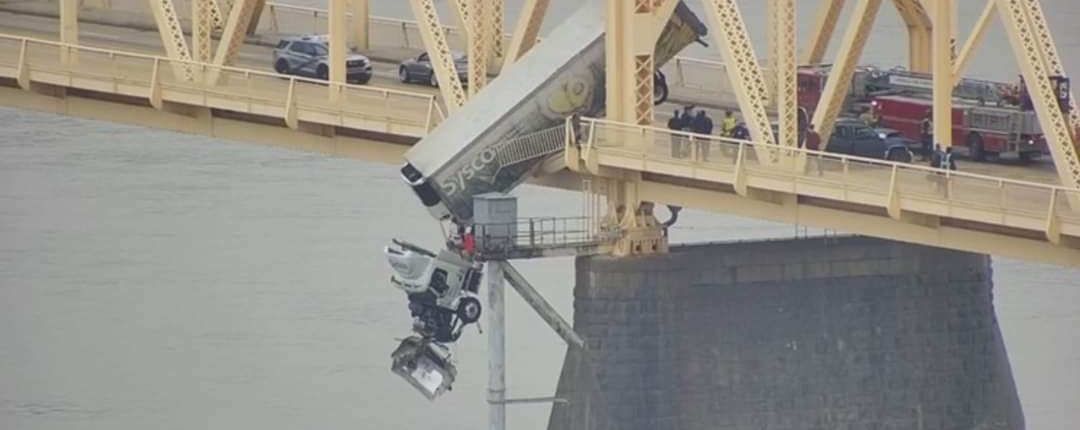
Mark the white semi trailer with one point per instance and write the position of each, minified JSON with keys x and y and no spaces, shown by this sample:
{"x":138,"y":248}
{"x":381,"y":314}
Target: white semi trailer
{"x":486,"y":146}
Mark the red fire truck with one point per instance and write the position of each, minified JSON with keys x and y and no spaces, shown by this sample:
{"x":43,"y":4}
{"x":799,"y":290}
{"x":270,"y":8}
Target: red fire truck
{"x":978,"y":131}
{"x":989,"y":118}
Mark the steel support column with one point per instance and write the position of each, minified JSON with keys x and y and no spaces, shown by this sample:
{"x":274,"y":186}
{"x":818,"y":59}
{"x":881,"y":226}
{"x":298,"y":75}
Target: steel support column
{"x":477,"y":27}
{"x":973,"y":41}
{"x":495,"y":17}
{"x":943,"y":71}
{"x":1029,"y":54}
{"x":527,"y":30}
{"x":361,"y":15}
{"x":338,"y":50}
{"x":742,"y":66}
{"x":172,"y":38}
{"x":822,"y":33}
{"x":494,"y":278}
{"x":202,"y":24}
{"x":69,"y":30}
{"x":839,"y":82}
{"x":919,"y":29}
{"x":442,"y":62}
{"x":786,"y":94}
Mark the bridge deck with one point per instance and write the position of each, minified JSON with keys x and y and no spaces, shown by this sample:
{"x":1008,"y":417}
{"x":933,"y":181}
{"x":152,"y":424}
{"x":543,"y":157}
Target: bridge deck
{"x":993,"y":213}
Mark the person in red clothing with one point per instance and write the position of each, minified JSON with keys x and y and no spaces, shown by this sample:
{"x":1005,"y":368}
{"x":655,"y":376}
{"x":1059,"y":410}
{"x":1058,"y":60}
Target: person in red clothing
{"x":468,"y":243}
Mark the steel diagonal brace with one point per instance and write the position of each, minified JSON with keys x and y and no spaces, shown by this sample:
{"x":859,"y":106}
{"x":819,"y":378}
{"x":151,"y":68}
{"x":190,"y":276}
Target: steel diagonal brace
{"x":786,"y":70}
{"x":973,"y":41}
{"x":232,"y":37}
{"x":1041,"y":29}
{"x":851,"y":47}
{"x":172,"y":38}
{"x":541,"y":306}
{"x":743,"y":67}
{"x":824,"y":26}
{"x":527,"y":30}
{"x":1029,"y":49}
{"x":442,"y":62}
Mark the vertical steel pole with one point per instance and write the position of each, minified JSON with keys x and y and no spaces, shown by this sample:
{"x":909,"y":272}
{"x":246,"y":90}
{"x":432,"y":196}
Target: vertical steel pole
{"x":361,"y":20}
{"x":69,"y":30}
{"x":495,"y":280}
{"x":337,"y":48}
{"x":943,"y":76}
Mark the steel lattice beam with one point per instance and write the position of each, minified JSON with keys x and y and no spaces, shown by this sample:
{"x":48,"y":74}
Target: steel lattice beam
{"x":822,"y":32}
{"x":839,"y":82}
{"x":479,"y":15}
{"x":527,"y":30}
{"x":1050,"y":57}
{"x":172,"y":38}
{"x":202,"y":24}
{"x":742,"y":66}
{"x":442,"y":62}
{"x":1029,"y":49}
{"x":786,"y":94}
{"x":495,"y":33}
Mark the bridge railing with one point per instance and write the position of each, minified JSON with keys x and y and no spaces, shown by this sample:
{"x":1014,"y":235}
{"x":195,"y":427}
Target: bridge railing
{"x":236,"y":89}
{"x":850,"y":179}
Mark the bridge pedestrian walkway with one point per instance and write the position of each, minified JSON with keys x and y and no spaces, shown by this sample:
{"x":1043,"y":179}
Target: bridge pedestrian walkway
{"x":136,"y":78}
{"x":905,"y":202}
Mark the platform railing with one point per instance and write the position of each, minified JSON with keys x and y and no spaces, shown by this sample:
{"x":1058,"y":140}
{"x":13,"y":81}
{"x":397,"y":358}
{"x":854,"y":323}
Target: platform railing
{"x":235,"y":89}
{"x":528,"y":235}
{"x":866,"y":181}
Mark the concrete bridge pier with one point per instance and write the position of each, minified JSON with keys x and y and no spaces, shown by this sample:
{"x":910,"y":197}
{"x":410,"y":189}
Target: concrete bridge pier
{"x":840,"y":333}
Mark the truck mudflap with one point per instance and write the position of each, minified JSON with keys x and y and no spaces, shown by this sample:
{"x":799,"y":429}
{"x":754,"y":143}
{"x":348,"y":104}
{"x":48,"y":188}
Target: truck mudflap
{"x":560,"y":77}
{"x":424,"y":364}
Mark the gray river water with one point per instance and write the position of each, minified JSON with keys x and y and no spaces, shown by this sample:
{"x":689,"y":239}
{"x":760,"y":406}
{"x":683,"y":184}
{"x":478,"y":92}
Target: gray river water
{"x":157,"y":280}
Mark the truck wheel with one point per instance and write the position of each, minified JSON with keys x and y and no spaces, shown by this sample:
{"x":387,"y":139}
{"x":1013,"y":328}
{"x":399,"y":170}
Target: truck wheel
{"x":323,"y":72}
{"x":899,"y":155}
{"x":468,"y":310}
{"x":660,"y":89}
{"x":1028,"y":156}
{"x":975,"y":147}
{"x":403,"y":75}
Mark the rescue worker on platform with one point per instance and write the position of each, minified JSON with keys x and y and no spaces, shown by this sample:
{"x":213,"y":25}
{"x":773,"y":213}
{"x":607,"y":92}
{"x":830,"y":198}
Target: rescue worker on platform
{"x":703,"y":125}
{"x":926,"y":135}
{"x":727,"y":127}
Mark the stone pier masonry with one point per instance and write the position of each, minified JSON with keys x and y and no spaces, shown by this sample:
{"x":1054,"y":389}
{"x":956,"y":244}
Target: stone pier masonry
{"x":841,"y":333}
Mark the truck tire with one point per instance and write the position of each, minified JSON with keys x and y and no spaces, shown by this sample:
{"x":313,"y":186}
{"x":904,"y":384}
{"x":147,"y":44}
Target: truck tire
{"x":468,"y":310}
{"x":403,"y":75}
{"x":1028,"y":156}
{"x":323,"y":72}
{"x":898,"y":155}
{"x":660,"y":88}
{"x":975,"y":147}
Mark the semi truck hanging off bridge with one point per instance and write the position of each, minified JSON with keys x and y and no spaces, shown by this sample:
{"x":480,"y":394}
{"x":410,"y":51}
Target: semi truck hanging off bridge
{"x":491,"y":144}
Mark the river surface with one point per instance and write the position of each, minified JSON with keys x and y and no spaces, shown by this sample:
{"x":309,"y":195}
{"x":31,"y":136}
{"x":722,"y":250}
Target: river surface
{"x":157,"y":280}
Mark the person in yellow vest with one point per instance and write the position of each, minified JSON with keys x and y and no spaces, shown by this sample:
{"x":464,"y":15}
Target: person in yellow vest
{"x":727,"y":127}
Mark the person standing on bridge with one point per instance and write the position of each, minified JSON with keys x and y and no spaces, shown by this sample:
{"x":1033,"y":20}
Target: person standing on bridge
{"x":703,"y":125}
{"x":813,"y":143}
{"x":727,"y":128}
{"x":926,"y":135}
{"x":676,"y":124}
